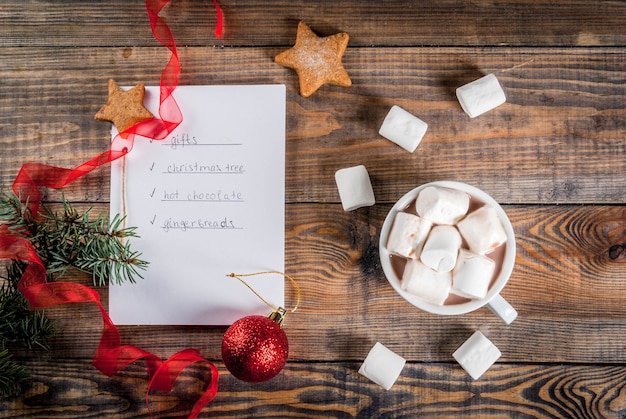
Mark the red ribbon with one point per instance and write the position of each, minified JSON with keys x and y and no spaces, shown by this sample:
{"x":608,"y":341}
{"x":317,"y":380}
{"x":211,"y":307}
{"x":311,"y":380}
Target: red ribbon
{"x":111,"y":356}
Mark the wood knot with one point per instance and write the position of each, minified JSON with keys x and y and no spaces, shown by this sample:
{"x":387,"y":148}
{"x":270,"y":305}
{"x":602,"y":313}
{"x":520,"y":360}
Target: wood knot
{"x":617,"y":251}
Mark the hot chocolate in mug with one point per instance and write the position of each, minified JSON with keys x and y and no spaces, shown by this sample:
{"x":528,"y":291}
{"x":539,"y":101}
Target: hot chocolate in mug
{"x":503,"y":256}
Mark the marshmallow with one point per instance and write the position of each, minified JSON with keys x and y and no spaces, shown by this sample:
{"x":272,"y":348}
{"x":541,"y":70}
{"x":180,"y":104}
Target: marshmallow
{"x":477,"y":355}
{"x":441,"y":248}
{"x":428,"y":284}
{"x":481,"y":95}
{"x":482,"y":230}
{"x":403,"y":128}
{"x":407,"y":235}
{"x":355,"y":188}
{"x":442,"y":205}
{"x":382,"y":366}
{"x":472,"y":275}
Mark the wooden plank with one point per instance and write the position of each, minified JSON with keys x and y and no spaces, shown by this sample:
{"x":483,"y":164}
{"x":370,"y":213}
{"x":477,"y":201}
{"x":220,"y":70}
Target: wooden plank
{"x":558,"y":137}
{"x":557,"y":143}
{"x":328,"y":390}
{"x":567,"y":269}
{"x":369,"y":23}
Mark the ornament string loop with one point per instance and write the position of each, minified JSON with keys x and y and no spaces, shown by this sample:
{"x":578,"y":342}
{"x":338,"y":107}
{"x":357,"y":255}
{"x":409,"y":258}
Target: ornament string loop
{"x":289,"y":277}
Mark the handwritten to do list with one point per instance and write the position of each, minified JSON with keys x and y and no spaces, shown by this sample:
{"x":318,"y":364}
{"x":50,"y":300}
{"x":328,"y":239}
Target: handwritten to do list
{"x":206,"y":201}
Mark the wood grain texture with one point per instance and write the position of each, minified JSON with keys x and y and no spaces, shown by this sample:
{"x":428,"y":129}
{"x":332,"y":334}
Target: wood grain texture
{"x":564,"y":271}
{"x":564,"y":115}
{"x":369,"y":23}
{"x":554,"y":155}
{"x":331,"y":390}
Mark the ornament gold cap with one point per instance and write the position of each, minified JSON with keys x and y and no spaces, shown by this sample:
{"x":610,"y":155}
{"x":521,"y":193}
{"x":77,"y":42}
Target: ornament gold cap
{"x":278,"y":315}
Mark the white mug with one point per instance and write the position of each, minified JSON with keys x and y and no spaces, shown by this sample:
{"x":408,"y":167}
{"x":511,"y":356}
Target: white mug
{"x":492,"y":300}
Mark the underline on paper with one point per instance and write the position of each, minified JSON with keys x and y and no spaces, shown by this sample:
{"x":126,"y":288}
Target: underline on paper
{"x":203,"y":200}
{"x":201,"y":228}
{"x":174,"y":145}
{"x":203,"y":173}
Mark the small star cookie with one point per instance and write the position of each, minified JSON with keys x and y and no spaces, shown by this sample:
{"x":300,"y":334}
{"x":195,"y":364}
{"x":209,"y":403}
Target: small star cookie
{"x":124,"y":107}
{"x":316,"y":60}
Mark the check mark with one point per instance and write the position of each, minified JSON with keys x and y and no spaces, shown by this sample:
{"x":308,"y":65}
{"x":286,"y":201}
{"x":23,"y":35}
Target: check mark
{"x":152,"y":166}
{"x":153,"y":219}
{"x":152,"y":193}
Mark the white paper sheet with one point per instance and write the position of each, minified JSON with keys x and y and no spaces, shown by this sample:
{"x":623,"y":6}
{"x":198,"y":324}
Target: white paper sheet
{"x":207,"y":201}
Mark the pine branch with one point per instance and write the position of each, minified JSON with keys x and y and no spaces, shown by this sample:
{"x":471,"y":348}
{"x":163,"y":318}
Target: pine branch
{"x":69,"y":239}
{"x":13,"y":377}
{"x":63,"y":241}
{"x":95,"y":246}
{"x":16,"y":216}
{"x":18,"y":324}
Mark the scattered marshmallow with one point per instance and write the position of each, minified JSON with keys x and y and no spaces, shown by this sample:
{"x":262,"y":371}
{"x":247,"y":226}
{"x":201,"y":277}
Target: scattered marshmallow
{"x":482,"y":230}
{"x":441,"y":248}
{"x":481,"y":95}
{"x":403,"y":128}
{"x":472,"y":275}
{"x":355,"y":188}
{"x":428,"y":284}
{"x":382,"y":366}
{"x":407,"y":235}
{"x":442,"y":205}
{"x":477,"y":355}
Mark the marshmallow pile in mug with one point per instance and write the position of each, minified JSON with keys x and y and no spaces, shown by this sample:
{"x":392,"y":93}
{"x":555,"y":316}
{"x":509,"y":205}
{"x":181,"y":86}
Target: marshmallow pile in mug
{"x":445,"y":245}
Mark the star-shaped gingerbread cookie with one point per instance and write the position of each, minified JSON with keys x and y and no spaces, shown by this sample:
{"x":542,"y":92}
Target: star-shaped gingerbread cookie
{"x":316,"y":60}
{"x":124,"y":107}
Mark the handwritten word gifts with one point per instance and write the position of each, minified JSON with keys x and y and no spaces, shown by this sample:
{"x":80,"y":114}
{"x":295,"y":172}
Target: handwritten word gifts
{"x":207,"y":201}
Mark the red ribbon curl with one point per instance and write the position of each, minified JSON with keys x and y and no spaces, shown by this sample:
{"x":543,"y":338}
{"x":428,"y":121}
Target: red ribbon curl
{"x":111,"y":356}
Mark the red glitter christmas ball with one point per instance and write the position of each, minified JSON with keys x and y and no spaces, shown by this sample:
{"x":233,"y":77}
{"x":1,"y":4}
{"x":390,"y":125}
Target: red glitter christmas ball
{"x":255,"y":348}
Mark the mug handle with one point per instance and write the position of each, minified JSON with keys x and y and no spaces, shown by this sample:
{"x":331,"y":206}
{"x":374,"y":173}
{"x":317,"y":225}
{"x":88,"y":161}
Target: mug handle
{"x":502,"y":309}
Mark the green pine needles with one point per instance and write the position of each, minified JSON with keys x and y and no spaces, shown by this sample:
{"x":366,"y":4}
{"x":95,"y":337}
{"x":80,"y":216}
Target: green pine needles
{"x":13,"y":376}
{"x":70,"y":239}
{"x":19,"y":326}
{"x":64,"y":240}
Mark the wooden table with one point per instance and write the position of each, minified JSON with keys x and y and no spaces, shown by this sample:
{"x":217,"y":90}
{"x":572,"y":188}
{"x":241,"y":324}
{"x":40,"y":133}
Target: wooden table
{"x":554,"y":156}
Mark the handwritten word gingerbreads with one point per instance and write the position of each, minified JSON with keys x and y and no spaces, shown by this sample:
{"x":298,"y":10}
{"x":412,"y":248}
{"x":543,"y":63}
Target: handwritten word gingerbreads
{"x":316,"y":60}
